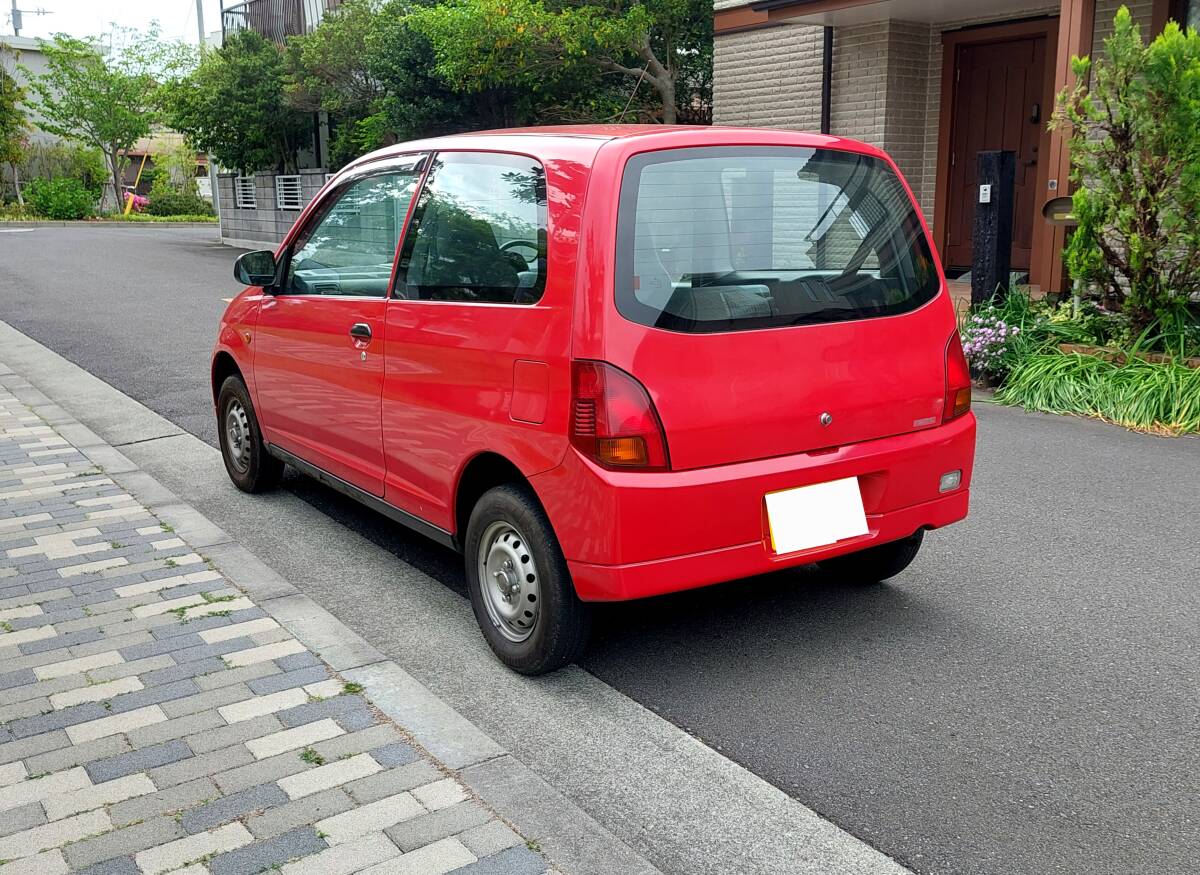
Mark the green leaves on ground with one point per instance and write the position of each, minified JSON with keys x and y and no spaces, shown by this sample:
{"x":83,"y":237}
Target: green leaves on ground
{"x":1137,"y":394}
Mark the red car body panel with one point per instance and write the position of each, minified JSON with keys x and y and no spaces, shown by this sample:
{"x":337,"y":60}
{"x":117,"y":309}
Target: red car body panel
{"x":319,"y":389}
{"x":444,"y":382}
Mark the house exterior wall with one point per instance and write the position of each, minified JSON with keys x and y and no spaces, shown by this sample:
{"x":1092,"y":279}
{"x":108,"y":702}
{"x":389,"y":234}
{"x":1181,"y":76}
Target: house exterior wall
{"x":768,"y":78}
{"x":886,"y":87}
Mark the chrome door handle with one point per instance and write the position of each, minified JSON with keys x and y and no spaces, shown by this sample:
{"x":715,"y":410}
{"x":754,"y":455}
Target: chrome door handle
{"x":360,"y":330}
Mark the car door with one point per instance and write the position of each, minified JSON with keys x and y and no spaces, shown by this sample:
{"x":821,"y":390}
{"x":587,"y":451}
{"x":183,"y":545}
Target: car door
{"x":319,"y":351}
{"x":476,"y":335}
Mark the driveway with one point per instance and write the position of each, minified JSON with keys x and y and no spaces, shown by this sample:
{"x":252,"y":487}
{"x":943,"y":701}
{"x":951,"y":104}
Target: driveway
{"x":1022,"y":700}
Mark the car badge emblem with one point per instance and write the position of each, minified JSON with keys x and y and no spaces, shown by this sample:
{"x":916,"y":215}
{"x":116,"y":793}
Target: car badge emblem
{"x":826,"y":419}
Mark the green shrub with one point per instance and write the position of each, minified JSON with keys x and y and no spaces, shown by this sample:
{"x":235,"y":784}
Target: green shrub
{"x":1134,"y":125}
{"x":66,"y":159}
{"x":168,"y":199}
{"x":1137,"y":394}
{"x":63,"y":198}
{"x":176,"y":203}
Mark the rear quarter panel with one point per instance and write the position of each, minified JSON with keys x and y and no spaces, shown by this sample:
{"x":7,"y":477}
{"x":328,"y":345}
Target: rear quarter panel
{"x":465,"y":379}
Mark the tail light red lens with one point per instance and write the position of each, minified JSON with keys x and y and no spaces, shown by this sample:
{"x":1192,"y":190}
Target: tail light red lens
{"x":613,"y":420}
{"x":958,"y":380}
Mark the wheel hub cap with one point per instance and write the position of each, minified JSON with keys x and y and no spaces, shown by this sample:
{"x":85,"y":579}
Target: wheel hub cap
{"x":509,"y":580}
{"x":237,"y":435}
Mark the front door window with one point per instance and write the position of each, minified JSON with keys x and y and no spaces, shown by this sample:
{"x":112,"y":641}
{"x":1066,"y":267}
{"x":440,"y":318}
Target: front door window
{"x":349,"y":250}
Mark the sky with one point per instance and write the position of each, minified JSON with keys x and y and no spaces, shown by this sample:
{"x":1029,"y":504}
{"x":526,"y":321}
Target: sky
{"x":80,"y":18}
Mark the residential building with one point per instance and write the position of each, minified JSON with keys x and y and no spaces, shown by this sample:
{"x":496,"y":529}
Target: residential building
{"x":18,"y":54}
{"x":933,"y":82}
{"x":259,"y":209}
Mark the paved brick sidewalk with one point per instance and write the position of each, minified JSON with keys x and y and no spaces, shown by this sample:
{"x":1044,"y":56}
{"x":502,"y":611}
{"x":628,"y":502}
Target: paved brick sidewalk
{"x":153,"y":719}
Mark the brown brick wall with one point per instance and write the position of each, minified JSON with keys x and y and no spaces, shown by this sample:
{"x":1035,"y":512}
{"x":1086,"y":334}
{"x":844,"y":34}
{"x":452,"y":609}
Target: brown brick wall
{"x":886,"y":81}
{"x":768,"y":78}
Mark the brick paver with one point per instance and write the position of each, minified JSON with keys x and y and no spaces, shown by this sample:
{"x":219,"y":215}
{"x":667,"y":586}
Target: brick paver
{"x":153,"y":719}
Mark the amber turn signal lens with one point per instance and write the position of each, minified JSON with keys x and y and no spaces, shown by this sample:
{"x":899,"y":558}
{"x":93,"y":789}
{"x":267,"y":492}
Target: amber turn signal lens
{"x":622,"y":450}
{"x":962,"y":401}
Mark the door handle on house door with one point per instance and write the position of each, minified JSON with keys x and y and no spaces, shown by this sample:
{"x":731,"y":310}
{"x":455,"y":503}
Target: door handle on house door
{"x":360,"y":331}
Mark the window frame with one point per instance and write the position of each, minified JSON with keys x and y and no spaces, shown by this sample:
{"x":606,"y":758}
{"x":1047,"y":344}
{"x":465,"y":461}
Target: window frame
{"x":403,"y":249}
{"x":325,"y":202}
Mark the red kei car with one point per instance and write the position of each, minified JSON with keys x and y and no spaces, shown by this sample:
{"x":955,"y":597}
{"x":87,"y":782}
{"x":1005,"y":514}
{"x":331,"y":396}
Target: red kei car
{"x":609,"y":362}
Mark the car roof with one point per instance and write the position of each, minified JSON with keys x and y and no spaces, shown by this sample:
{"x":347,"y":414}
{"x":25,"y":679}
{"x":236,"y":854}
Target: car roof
{"x":582,"y":142}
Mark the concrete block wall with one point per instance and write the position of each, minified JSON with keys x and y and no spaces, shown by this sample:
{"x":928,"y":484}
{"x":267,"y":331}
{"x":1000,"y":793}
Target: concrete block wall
{"x":265,"y":224}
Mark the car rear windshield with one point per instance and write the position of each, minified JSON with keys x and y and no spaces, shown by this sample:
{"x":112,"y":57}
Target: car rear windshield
{"x":738,"y":238}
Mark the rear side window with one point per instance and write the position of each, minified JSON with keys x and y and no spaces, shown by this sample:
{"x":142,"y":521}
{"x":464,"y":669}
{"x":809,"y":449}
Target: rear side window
{"x":478,"y":233}
{"x":738,"y":238}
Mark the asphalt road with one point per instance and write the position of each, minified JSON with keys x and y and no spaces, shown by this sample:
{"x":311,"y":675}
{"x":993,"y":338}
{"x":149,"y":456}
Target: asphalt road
{"x":1025,"y":699}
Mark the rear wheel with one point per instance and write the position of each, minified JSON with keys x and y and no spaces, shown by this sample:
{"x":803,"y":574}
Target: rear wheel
{"x":250,"y":466}
{"x":875,"y":564}
{"x":521,"y":591}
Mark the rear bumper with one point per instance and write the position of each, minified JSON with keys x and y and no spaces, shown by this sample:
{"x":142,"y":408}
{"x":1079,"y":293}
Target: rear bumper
{"x":632,"y":535}
{"x":660,"y":576}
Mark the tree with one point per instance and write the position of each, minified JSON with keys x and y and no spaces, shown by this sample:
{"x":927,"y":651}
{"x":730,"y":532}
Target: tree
{"x":13,"y":126}
{"x":662,"y":45}
{"x":1135,"y":155}
{"x":106,"y":102}
{"x":233,"y":106}
{"x":376,"y":77}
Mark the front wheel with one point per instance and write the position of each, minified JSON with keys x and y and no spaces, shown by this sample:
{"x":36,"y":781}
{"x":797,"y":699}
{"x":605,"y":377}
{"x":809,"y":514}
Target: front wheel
{"x":520,"y":587}
{"x":875,"y":564}
{"x":250,"y":466}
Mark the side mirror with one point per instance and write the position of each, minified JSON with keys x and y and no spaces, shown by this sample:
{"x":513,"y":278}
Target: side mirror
{"x":255,"y":268}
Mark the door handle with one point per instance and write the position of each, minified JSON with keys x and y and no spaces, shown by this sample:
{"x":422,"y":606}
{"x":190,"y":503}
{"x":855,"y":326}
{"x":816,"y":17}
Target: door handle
{"x":360,"y":330}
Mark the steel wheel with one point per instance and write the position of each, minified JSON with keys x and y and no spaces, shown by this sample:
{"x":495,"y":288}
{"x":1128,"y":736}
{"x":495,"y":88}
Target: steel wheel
{"x":237,"y":435}
{"x":508,"y":578}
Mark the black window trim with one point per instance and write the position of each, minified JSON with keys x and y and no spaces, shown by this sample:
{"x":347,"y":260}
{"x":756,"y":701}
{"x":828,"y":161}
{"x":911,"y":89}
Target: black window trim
{"x":404,"y":249}
{"x":330,"y":196}
{"x":633,"y":311}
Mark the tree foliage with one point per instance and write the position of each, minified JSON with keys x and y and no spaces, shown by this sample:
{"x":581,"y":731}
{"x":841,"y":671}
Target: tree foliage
{"x":105,"y":101}
{"x":233,"y":106}
{"x":13,"y":124}
{"x":1135,"y":152}
{"x":664,"y":46}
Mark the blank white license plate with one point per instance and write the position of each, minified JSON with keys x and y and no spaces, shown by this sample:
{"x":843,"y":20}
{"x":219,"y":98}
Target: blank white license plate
{"x":813,"y":516}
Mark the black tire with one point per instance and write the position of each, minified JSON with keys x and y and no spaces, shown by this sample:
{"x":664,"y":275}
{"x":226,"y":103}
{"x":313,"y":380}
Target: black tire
{"x":875,"y":564}
{"x":249,"y":465}
{"x":558,"y":630}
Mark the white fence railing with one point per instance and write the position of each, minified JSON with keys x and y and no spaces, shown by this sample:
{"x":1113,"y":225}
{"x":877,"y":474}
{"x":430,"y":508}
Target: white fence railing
{"x":289,"y":194}
{"x":244,"y":195}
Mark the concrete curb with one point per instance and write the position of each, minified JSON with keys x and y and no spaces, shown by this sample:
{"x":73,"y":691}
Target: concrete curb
{"x":661,"y":792}
{"x":238,"y":243}
{"x":568,"y":836}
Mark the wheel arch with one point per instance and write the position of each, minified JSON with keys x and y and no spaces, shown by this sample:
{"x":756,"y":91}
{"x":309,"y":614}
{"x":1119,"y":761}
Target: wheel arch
{"x":224,"y":366}
{"x":481,"y":473}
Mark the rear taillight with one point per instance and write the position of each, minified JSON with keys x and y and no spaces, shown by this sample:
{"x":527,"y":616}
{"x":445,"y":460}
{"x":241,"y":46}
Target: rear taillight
{"x":613,"y":421}
{"x":958,"y":380}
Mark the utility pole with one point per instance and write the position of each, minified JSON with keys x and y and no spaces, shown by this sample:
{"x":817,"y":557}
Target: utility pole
{"x":16,"y":16}
{"x":212,"y":170}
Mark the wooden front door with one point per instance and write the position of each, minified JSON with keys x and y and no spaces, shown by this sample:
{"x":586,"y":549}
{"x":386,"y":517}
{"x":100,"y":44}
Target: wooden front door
{"x":1000,"y":102}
